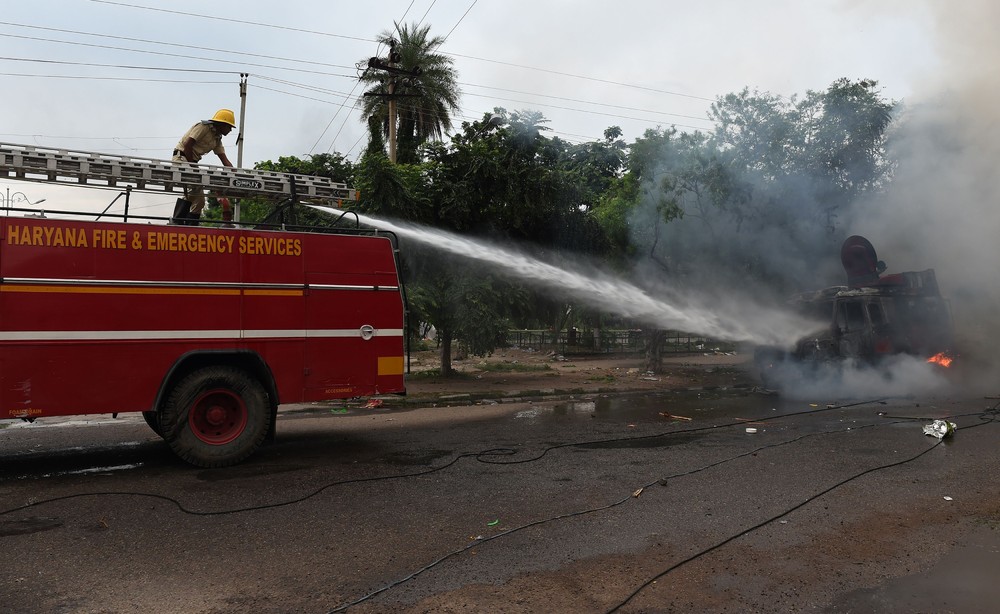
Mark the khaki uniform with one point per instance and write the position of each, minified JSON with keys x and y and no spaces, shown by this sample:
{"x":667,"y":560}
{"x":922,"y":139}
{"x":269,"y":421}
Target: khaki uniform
{"x":206,"y":139}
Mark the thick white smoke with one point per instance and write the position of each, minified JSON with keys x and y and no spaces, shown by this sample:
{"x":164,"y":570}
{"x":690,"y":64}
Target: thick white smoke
{"x":942,"y":210}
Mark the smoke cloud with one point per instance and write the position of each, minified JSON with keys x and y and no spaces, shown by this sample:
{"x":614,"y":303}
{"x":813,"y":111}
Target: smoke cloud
{"x":942,"y":210}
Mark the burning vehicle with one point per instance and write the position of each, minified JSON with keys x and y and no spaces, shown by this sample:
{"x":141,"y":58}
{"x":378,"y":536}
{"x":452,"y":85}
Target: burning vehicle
{"x":874,"y":316}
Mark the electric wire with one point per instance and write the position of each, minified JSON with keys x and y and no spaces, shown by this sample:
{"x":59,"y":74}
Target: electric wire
{"x":614,"y":115}
{"x":96,"y":78}
{"x":460,"y":20}
{"x":602,"y":104}
{"x":663,"y":481}
{"x":485,"y":455}
{"x":367,"y":40}
{"x":768,"y":521}
{"x":986,"y":417}
{"x":332,"y":119}
{"x":126,"y":66}
{"x":257,"y":65}
{"x":183,"y":56}
{"x":575,"y":76}
{"x":492,"y":451}
{"x":333,"y":142}
{"x":405,"y":13}
{"x":433,"y":2}
{"x":573,"y":514}
{"x":233,"y":20}
{"x":168,"y":44}
{"x":296,"y":60}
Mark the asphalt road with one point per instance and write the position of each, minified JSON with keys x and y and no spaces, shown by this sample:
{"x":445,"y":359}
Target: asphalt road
{"x":588,"y":505}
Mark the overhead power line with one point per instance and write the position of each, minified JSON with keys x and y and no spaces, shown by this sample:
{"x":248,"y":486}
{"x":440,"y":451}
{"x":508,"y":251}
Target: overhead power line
{"x":602,"y":113}
{"x":126,"y":66}
{"x":167,"y":44}
{"x":433,"y":2}
{"x":232,"y":20}
{"x":95,"y":78}
{"x":602,"y":104}
{"x":567,"y":74}
{"x":460,"y":19}
{"x":368,"y":40}
{"x":176,"y":55}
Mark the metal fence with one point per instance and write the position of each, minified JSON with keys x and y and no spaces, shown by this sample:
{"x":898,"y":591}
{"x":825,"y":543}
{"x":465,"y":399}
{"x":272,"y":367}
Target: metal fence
{"x":610,"y":341}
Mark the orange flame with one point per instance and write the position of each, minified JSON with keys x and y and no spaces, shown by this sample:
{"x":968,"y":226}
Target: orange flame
{"x":941,"y":358}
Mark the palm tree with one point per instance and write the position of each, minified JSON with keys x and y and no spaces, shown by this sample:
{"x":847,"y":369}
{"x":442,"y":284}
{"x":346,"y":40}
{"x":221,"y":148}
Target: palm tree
{"x":428,"y":101}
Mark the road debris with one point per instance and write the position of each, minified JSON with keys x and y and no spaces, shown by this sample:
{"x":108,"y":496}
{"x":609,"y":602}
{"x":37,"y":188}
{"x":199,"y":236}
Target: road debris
{"x":674,"y":416}
{"x":751,"y":429}
{"x":493,"y":523}
{"x":940,"y":429}
{"x":637,"y":493}
{"x":372,"y":403}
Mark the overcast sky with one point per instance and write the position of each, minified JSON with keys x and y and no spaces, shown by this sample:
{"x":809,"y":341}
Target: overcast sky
{"x":585,"y":64}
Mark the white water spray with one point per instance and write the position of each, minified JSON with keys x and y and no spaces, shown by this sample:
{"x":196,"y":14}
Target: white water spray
{"x":734,"y":318}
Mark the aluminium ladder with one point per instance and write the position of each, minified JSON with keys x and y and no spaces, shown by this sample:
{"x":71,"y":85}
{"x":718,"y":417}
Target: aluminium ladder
{"x":74,"y":167}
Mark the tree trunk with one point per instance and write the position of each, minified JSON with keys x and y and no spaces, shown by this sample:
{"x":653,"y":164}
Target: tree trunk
{"x":654,"y":362}
{"x":444,"y":338}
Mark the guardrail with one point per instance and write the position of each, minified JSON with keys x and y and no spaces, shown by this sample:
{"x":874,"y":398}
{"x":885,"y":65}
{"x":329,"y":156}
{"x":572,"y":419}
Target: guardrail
{"x":611,"y":341}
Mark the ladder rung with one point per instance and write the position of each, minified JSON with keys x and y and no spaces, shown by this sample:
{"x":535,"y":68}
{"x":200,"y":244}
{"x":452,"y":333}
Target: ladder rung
{"x":33,"y":163}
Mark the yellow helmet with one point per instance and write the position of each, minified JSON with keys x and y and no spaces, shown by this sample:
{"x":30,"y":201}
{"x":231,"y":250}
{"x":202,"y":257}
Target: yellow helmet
{"x":225,"y":116}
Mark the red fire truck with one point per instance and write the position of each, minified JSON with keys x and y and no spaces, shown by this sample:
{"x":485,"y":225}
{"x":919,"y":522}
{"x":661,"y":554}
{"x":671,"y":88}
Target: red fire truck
{"x":204,"y":330}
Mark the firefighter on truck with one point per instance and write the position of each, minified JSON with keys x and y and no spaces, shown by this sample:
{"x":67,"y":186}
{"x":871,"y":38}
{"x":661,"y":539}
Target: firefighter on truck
{"x":201,"y":138}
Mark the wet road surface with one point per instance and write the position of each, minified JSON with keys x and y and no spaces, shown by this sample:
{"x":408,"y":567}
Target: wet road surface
{"x":699,"y":501}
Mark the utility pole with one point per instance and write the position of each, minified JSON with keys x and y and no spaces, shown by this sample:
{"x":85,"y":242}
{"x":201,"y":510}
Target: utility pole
{"x":239,"y":137}
{"x":392,"y":111}
{"x":243,"y":114}
{"x":393,"y":72}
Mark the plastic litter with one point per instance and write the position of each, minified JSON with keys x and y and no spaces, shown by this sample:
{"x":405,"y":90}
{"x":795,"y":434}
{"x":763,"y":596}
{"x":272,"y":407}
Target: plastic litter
{"x":940,"y":429}
{"x":338,"y":410}
{"x":493,"y":523}
{"x":947,"y":498}
{"x":751,"y":429}
{"x":674,"y":416}
{"x":373,"y":403}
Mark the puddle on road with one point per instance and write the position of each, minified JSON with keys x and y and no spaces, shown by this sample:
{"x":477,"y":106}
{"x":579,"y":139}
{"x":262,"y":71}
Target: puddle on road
{"x":677,"y":407}
{"x":26,"y":526}
{"x":652,"y":407}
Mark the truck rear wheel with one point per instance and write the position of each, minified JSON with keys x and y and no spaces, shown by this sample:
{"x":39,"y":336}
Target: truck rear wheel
{"x":216,"y":416}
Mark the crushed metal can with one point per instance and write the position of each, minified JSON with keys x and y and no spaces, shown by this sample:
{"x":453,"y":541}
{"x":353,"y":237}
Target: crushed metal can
{"x":940,"y":429}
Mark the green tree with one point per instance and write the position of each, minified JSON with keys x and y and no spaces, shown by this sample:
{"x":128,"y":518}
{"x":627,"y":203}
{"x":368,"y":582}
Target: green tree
{"x":503,"y":180}
{"x":465,"y":306}
{"x":424,"y":104}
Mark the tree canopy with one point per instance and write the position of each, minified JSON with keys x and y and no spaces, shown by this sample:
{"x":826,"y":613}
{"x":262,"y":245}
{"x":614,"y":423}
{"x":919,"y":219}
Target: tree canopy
{"x":425,"y":103}
{"x":760,"y":199}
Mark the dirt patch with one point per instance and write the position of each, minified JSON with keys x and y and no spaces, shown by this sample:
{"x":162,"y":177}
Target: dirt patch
{"x":515,"y":371}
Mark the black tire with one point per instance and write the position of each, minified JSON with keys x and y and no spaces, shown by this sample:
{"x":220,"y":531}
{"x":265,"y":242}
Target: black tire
{"x":153,"y":420}
{"x":216,"y":416}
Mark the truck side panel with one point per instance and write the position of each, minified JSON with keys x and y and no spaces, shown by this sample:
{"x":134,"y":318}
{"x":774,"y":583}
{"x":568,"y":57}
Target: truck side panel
{"x":93,"y":315}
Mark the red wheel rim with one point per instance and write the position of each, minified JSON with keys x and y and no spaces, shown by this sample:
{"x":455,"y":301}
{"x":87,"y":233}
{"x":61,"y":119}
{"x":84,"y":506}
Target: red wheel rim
{"x":217,"y":417}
